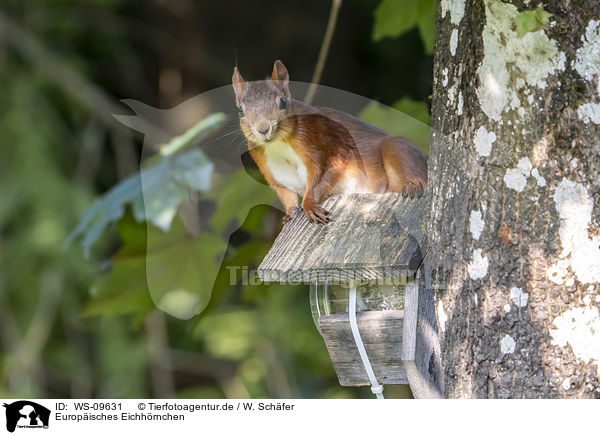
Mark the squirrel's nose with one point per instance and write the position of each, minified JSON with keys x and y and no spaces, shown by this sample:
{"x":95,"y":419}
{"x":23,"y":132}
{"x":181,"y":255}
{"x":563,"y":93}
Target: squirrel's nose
{"x":263,"y":127}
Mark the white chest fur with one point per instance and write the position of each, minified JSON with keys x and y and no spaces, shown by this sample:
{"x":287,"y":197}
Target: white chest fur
{"x":286,"y":166}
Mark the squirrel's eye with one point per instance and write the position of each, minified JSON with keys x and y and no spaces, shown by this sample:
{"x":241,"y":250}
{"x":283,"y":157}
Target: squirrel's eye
{"x":282,"y":104}
{"x":240,"y":111}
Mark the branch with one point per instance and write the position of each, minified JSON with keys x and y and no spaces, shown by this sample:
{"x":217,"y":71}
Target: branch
{"x":316,"y":78}
{"x":161,"y":369}
{"x":23,"y":363}
{"x":9,"y":333}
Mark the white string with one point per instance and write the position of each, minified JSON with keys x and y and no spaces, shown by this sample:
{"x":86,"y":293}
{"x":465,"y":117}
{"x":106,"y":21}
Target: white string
{"x":376,"y":388}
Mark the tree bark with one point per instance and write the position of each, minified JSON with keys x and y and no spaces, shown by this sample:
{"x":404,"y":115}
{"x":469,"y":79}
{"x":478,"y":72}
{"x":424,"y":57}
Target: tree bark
{"x":513,"y":206}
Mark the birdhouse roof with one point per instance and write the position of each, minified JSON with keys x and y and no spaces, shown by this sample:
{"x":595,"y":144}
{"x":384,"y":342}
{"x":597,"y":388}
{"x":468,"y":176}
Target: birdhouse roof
{"x":371,"y":236}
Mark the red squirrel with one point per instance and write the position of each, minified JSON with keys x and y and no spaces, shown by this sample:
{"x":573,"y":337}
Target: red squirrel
{"x":317,"y":151}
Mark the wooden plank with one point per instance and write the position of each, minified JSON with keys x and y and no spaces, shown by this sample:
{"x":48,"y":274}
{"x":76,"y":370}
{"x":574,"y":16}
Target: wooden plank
{"x":409,"y":333}
{"x":421,"y":353}
{"x":381,"y":332}
{"x":371,"y":236}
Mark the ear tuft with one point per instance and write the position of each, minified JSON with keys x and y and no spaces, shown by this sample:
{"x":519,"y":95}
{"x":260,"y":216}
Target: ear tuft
{"x":237,"y":79}
{"x":281,"y":77}
{"x":239,"y":84}
{"x":280,"y":72}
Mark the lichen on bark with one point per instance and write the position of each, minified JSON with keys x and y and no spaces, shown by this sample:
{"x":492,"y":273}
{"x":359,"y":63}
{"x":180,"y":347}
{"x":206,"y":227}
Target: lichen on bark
{"x":505,"y":157}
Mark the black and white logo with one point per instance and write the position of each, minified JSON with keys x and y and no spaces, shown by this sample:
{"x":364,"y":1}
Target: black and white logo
{"x":25,"y":414}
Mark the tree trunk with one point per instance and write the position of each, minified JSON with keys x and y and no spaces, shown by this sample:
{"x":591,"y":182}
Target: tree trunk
{"x":513,"y":219}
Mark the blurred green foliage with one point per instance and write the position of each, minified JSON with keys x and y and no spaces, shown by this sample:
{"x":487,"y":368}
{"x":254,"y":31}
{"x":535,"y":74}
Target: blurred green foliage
{"x":156,"y":190}
{"x":395,"y":17}
{"x":406,"y":117}
{"x":72,"y":327}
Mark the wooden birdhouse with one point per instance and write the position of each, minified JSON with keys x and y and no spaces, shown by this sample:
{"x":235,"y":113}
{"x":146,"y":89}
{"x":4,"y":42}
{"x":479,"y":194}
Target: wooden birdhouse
{"x":369,"y":289}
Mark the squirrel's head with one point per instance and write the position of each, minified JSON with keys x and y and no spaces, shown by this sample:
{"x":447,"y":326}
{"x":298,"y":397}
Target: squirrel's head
{"x":264,"y":104}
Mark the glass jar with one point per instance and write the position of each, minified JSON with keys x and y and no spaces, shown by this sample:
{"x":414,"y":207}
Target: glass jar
{"x":375,"y":295}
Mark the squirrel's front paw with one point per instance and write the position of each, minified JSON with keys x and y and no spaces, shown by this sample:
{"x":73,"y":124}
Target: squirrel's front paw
{"x":288,"y":214}
{"x":316,"y":214}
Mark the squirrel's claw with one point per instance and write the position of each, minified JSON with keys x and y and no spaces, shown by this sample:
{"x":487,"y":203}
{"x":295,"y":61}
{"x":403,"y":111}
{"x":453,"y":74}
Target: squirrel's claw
{"x":413,"y":189}
{"x":317,"y":214}
{"x":289,"y":214}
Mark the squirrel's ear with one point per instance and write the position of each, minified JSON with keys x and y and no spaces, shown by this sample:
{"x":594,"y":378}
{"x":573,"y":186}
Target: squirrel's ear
{"x":281,"y":77}
{"x":239,"y":85}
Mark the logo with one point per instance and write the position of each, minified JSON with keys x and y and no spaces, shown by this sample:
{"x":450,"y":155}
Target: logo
{"x":26,"y":414}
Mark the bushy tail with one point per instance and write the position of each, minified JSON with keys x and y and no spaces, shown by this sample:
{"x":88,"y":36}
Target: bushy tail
{"x":405,"y":166}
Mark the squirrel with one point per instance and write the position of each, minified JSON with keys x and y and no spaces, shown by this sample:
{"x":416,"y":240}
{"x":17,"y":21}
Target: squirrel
{"x":317,"y":151}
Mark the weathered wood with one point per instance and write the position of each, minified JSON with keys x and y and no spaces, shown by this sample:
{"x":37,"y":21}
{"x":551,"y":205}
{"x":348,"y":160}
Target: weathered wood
{"x":371,"y":236}
{"x":402,"y":345}
{"x":421,"y":350}
{"x":381,"y":332}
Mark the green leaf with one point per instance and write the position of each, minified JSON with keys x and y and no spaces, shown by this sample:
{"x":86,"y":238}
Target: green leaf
{"x":193,"y":169}
{"x":124,"y":289}
{"x":426,"y":23}
{"x":202,"y":129}
{"x":531,"y":21}
{"x":416,"y":109}
{"x":394,"y":17}
{"x":406,"y":118}
{"x":173,"y":271}
{"x":235,"y":196}
{"x":181,"y":277}
{"x":155,"y":191}
{"x":159,"y":205}
{"x":168,"y":183}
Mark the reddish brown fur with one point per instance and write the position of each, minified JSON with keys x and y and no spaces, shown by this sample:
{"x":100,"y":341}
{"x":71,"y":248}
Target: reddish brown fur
{"x":335,"y":145}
